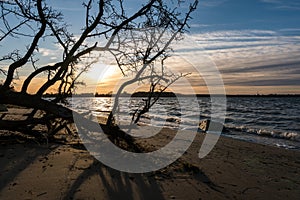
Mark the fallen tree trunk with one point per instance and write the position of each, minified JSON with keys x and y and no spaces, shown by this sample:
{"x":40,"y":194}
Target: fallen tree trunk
{"x":36,"y":102}
{"x":55,"y":112}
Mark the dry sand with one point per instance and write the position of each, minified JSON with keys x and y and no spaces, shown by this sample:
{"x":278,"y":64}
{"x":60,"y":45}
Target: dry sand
{"x":232,"y":170}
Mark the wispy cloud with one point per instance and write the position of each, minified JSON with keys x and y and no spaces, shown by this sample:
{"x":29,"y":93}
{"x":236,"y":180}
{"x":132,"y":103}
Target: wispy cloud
{"x":211,"y":3}
{"x":252,"y":57}
{"x":283,"y":4}
{"x":49,"y":53}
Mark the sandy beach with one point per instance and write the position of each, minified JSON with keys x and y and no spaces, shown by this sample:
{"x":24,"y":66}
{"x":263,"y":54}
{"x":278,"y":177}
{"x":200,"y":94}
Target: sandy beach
{"x":233,"y":170}
{"x":201,"y":67}
{"x":126,"y":100}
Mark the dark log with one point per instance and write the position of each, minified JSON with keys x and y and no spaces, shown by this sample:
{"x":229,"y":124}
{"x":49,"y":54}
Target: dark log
{"x":34,"y":101}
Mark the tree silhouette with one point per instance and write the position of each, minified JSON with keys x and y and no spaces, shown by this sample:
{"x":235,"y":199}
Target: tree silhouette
{"x":135,"y":39}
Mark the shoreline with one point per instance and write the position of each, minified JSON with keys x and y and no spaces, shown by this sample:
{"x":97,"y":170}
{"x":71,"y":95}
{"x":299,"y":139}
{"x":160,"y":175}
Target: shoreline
{"x":270,"y":117}
{"x":233,"y":169}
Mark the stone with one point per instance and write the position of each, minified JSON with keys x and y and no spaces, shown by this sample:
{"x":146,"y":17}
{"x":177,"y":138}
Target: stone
{"x":208,"y":125}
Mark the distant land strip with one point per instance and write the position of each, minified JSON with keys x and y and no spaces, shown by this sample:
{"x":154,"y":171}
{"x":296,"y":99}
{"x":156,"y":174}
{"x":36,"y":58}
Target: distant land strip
{"x":171,"y":94}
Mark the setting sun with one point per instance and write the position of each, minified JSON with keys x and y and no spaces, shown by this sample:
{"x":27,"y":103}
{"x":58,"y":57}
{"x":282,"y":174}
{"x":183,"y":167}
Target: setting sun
{"x":102,"y":72}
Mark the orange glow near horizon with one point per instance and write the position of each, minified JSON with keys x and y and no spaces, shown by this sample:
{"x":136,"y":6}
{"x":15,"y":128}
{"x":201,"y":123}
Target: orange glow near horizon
{"x":107,"y":85}
{"x":104,"y":78}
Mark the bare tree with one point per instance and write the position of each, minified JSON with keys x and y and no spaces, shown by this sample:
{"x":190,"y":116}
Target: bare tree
{"x":135,"y":39}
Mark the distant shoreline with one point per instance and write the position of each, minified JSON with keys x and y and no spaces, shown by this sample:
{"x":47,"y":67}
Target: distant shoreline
{"x":183,"y":95}
{"x":171,"y":94}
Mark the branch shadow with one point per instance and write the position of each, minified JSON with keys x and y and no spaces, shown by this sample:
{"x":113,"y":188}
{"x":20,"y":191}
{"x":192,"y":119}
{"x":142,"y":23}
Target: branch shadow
{"x":16,"y":157}
{"x":112,"y":184}
{"x":121,"y":185}
{"x":118,"y":185}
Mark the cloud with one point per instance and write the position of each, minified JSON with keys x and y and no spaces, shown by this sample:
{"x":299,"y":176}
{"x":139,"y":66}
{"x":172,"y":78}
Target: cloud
{"x":211,"y":3}
{"x":250,"y":57}
{"x":283,"y":4}
{"x":48,"y":52}
{"x":199,"y":25}
{"x":249,"y":60}
{"x":269,"y":82}
{"x":284,"y":68}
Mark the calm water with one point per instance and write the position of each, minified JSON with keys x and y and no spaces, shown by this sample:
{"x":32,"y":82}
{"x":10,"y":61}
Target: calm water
{"x":267,"y":120}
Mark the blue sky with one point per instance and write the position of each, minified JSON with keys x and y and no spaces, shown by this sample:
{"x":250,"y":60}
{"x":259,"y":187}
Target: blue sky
{"x":254,"y":43}
{"x":248,"y":14}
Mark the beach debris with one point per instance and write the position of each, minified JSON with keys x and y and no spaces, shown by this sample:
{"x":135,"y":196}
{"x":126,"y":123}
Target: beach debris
{"x":41,"y":194}
{"x":208,"y":125}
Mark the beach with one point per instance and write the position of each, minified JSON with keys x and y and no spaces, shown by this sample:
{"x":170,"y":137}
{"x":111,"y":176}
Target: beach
{"x":149,"y":100}
{"x":234,"y":169}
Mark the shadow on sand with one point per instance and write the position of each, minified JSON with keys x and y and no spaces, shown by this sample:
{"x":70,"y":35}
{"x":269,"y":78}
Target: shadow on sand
{"x":37,"y":169}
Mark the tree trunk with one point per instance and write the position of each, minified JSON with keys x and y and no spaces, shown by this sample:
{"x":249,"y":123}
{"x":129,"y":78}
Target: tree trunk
{"x":34,"y":101}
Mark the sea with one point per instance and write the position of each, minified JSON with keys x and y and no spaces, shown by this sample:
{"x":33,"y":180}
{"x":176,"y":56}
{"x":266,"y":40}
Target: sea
{"x":265,"y":120}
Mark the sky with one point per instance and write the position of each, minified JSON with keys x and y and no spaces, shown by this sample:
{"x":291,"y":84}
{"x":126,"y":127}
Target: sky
{"x":255,"y":45}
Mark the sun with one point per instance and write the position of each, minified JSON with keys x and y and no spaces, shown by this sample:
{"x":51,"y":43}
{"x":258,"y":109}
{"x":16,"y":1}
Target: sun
{"x":101,"y":72}
{"x":110,"y":71}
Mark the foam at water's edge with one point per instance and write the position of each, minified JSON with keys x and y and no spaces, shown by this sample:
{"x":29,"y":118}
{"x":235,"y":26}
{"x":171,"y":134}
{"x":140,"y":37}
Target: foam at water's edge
{"x":267,"y":133}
